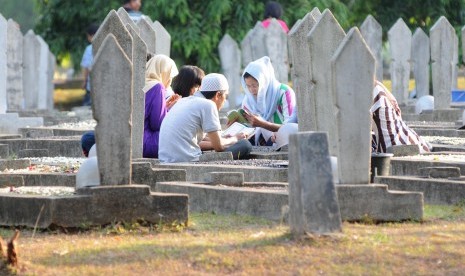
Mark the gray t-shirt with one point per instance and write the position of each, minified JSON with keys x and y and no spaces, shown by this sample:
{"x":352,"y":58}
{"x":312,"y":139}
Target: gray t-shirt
{"x":184,"y":127}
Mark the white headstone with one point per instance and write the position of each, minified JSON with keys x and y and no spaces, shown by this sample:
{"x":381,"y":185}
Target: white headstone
{"x":463,"y":44}
{"x":230,"y":57}
{"x":420,"y":62}
{"x":443,"y":40}
{"x":50,"y":85}
{"x":372,"y":32}
{"x":246,"y":47}
{"x":400,"y":43}
{"x":3,"y":64}
{"x":43,"y":79}
{"x":148,"y":35}
{"x":313,"y":203}
{"x":111,"y":79}
{"x":258,"y":42}
{"x":301,"y":70}
{"x":276,"y":44}
{"x":139,"y":57}
{"x":14,"y":87}
{"x":163,"y":39}
{"x":323,"y":40}
{"x":31,"y":61}
{"x":353,"y":90}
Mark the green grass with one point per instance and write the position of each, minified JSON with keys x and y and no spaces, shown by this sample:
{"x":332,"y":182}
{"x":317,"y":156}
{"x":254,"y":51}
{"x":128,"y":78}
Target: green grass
{"x":231,"y":244}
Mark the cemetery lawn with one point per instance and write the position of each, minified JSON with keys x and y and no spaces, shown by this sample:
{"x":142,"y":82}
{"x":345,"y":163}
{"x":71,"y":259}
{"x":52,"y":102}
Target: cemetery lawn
{"x":218,"y":244}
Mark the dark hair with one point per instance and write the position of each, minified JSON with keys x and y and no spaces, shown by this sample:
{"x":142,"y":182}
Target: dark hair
{"x":247,"y":75}
{"x":188,"y":77}
{"x":92,"y":29}
{"x":273,"y":9}
{"x":87,"y":141}
{"x":126,"y":2}
{"x":210,"y":94}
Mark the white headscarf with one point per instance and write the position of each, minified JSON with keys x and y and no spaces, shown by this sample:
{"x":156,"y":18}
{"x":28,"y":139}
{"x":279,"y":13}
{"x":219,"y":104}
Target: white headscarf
{"x":159,"y":69}
{"x":266,"y":102}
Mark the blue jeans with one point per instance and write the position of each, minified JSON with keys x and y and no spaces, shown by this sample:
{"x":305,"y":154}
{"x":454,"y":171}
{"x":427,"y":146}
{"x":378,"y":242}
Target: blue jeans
{"x":240,"y":150}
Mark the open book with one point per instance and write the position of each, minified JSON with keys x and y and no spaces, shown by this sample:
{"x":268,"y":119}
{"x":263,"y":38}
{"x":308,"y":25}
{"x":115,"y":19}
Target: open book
{"x":236,"y":128}
{"x":238,"y":116}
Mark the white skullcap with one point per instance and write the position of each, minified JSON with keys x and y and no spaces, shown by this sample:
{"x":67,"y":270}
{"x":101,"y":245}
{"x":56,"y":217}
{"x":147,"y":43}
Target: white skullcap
{"x":214,"y":82}
{"x":424,"y":103}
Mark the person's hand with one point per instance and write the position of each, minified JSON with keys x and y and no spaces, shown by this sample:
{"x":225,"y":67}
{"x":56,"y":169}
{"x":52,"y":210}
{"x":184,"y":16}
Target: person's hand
{"x":254,"y":120}
{"x":273,"y":137}
{"x":241,"y":136}
{"x":172,"y":100}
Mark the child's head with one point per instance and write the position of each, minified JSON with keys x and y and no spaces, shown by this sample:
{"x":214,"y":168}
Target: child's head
{"x":273,"y":9}
{"x":133,"y":4}
{"x":91,"y":31}
{"x":188,"y":80}
{"x":87,"y":141}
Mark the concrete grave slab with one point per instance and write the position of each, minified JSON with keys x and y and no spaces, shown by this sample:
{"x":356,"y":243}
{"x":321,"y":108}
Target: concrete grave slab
{"x":33,"y":153}
{"x":10,"y":123}
{"x":404,"y":150}
{"x":215,"y":156}
{"x":227,"y":178}
{"x":435,"y":191}
{"x":94,"y":206}
{"x":357,"y":202}
{"x":440,"y":172}
{"x":4,"y":151}
{"x":14,"y":164}
{"x":11,"y":181}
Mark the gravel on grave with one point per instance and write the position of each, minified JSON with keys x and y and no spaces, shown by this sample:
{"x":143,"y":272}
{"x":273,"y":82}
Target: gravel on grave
{"x":442,"y":140}
{"x":82,"y":125}
{"x":41,"y":191}
{"x":435,"y":157}
{"x":50,"y":165}
{"x":431,"y":124}
{"x":261,"y":187}
{"x":251,"y":162}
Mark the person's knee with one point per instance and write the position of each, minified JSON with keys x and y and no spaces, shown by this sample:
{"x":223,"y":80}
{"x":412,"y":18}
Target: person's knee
{"x":244,"y":148}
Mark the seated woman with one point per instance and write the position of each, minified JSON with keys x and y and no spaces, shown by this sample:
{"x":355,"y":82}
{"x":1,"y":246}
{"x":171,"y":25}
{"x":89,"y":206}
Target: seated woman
{"x":159,"y":73}
{"x":388,"y":127}
{"x":188,"y":81}
{"x":269,"y":103}
{"x":274,"y":10}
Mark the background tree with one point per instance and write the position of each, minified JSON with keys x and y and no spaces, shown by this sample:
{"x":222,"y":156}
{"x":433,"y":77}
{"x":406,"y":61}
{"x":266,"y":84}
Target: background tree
{"x":22,"y":11}
{"x":197,"y":26}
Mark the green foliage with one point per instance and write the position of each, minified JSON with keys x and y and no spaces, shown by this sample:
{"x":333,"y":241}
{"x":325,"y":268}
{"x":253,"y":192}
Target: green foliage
{"x":196,"y":26}
{"x":21,"y":11}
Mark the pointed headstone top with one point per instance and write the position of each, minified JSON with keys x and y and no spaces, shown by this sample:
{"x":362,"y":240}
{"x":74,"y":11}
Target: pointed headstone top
{"x":328,"y":24}
{"x":114,"y":25}
{"x":304,"y":25}
{"x":420,"y":35}
{"x":2,"y":19}
{"x":124,"y":16}
{"x":443,"y":24}
{"x":370,"y":25}
{"x":148,"y":35}
{"x":400,"y":28}
{"x":163,"y":39}
{"x":316,"y":13}
{"x":227,"y":39}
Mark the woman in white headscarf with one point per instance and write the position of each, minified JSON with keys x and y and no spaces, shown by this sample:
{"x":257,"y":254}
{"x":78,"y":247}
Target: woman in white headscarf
{"x":159,"y":73}
{"x":268,"y":102}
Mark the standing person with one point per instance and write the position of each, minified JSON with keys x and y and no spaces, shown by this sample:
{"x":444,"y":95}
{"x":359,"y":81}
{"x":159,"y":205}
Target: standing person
{"x":132,"y":7}
{"x":86,"y":63}
{"x":159,"y":73}
{"x":274,"y":10}
{"x":188,"y":81}
{"x":269,"y":102}
{"x":193,"y":125}
{"x":389,"y":128}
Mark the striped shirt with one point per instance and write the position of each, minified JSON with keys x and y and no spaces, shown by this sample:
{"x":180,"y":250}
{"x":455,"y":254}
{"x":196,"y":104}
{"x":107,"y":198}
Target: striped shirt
{"x":388,"y":126}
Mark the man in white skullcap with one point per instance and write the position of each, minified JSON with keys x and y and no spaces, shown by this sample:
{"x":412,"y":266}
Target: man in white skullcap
{"x":193,"y":125}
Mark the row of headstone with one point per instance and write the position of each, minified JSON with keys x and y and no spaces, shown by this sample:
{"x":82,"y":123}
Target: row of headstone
{"x":331,"y":96}
{"x":414,"y":53}
{"x":334,"y":103}
{"x":155,"y":36}
{"x":26,"y":70}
